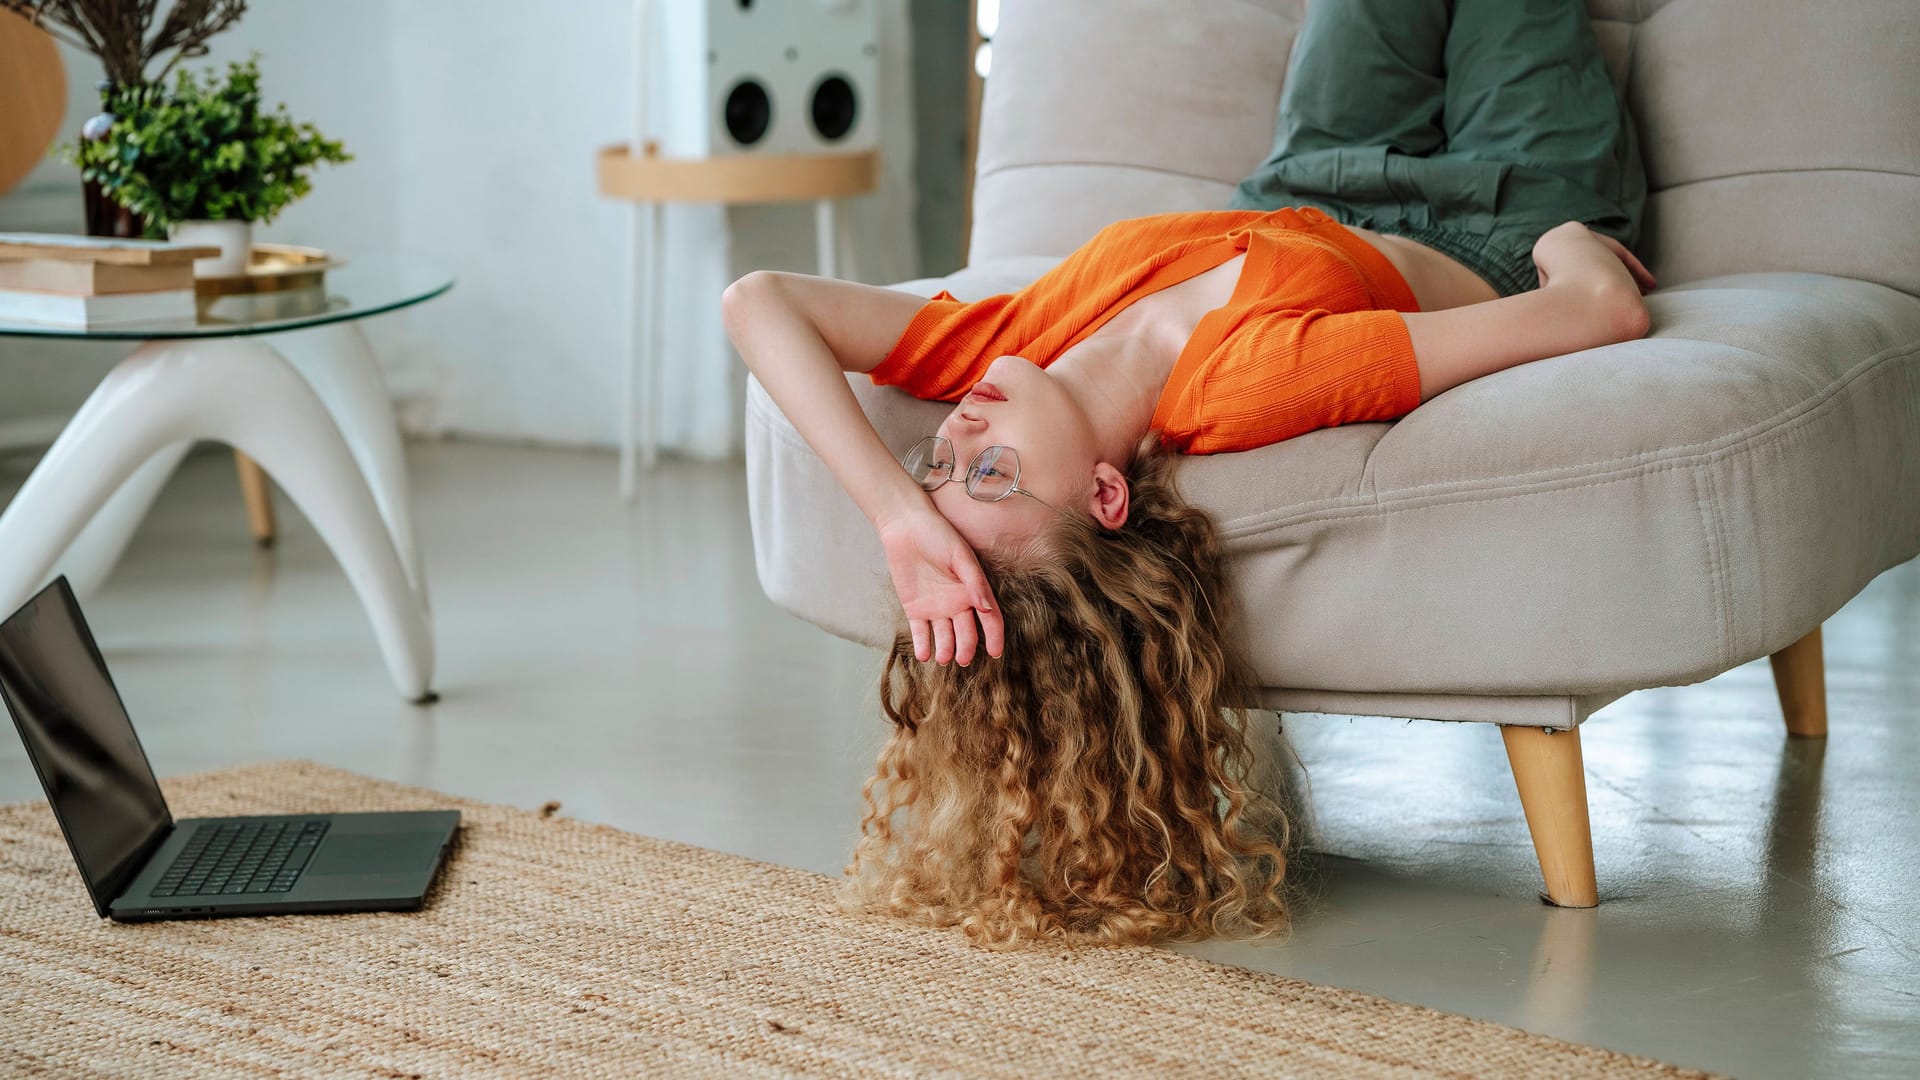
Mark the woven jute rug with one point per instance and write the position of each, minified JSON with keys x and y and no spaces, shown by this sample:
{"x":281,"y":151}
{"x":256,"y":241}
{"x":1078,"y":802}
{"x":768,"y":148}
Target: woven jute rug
{"x":555,"y":947}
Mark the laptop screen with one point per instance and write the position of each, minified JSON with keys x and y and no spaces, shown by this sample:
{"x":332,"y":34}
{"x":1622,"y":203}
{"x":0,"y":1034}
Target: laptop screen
{"x":70,"y":716}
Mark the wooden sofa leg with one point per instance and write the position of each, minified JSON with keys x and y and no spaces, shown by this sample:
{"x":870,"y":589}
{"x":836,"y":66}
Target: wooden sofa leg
{"x":1800,"y":675}
{"x":1553,"y":791}
{"x":259,"y":499}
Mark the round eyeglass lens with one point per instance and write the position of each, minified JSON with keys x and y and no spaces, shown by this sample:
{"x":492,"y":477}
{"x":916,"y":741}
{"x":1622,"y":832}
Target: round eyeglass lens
{"x":993,"y":474}
{"x":930,"y":462}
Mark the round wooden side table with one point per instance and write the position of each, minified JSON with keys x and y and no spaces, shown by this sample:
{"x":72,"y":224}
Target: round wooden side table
{"x":651,"y":180}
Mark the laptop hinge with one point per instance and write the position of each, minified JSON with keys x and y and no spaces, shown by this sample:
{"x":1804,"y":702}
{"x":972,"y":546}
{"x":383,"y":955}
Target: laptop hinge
{"x":129,"y":871}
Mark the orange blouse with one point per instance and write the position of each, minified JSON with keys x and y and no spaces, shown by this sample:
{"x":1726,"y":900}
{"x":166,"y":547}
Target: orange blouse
{"x":1310,"y":337}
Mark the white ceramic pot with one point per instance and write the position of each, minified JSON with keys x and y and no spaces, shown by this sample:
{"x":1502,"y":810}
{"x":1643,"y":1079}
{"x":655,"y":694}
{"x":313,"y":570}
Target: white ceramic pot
{"x":233,"y":238}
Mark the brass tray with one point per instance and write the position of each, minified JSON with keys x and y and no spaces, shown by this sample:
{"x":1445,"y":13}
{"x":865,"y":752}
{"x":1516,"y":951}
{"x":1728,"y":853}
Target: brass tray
{"x":275,"y":268}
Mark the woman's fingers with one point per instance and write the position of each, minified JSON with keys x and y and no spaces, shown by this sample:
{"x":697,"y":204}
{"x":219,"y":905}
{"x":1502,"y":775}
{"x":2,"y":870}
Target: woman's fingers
{"x":958,"y":638}
{"x":993,"y":632}
{"x":1637,"y":268}
{"x":1641,"y":275}
{"x":965,"y":638}
{"x":976,"y":583}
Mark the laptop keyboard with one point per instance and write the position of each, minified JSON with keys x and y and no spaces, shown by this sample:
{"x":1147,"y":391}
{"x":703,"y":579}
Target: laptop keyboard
{"x":242,"y":857}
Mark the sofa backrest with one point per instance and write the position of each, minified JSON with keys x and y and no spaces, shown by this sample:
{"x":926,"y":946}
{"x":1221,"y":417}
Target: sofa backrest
{"x":1777,"y":134}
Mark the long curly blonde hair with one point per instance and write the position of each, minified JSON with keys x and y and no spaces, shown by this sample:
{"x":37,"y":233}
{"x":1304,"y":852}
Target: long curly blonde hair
{"x":1094,"y":783}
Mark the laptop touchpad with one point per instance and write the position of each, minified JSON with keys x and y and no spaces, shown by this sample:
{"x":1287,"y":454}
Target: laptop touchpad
{"x":381,"y":853}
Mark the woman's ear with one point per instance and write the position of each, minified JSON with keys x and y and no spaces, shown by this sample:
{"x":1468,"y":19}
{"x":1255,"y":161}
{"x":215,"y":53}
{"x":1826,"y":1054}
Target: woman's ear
{"x":1110,"y":499}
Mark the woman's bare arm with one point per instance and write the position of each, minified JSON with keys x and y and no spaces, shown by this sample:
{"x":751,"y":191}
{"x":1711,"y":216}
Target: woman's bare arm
{"x":800,"y":335}
{"x":859,"y":323}
{"x":1589,"y":296}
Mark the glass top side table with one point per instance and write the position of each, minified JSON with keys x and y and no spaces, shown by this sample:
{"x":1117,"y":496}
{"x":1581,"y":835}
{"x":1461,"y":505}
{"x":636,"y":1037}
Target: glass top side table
{"x":289,"y":380}
{"x":366,"y":285}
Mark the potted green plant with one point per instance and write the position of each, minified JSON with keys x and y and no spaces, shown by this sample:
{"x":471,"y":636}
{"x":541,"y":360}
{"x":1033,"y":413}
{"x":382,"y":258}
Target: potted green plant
{"x":121,"y":34}
{"x":203,"y":161}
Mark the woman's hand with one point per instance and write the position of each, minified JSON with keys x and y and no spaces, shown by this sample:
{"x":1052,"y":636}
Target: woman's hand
{"x":941,"y":588}
{"x":1572,"y":250}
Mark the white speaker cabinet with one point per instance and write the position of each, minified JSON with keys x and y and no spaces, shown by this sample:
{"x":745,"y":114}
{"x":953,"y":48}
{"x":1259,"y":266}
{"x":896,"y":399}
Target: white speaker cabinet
{"x":765,"y":76}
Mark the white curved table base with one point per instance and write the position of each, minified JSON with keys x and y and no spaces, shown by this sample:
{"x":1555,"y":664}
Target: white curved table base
{"x":96,"y":551}
{"x":339,"y":364}
{"x":123,"y":443}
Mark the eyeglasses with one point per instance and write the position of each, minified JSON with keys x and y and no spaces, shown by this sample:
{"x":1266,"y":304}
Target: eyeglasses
{"x":993,"y":475}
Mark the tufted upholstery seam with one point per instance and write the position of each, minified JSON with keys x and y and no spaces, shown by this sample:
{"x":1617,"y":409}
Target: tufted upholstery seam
{"x":1626,"y":81}
{"x":1271,"y":10}
{"x":1786,"y":172}
{"x":1748,"y":441}
{"x":1714,"y":480}
{"x":1235,"y":532}
{"x":998,"y":169}
{"x":1705,"y":507}
{"x":1702,"y":514}
{"x":1884,"y":358}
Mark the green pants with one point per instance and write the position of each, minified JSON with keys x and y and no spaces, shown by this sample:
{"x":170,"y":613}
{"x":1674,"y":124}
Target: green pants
{"x":1472,"y":126}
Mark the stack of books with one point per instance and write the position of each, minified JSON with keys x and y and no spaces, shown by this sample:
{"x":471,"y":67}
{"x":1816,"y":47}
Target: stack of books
{"x":94,"y":281}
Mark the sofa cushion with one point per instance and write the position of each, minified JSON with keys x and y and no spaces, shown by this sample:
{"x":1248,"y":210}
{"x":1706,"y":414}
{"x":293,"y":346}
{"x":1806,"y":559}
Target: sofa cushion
{"x":1644,"y":514}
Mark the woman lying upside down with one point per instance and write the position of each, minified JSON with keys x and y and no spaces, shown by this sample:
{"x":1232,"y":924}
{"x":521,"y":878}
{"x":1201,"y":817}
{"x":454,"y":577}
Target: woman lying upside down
{"x":1069,"y":757}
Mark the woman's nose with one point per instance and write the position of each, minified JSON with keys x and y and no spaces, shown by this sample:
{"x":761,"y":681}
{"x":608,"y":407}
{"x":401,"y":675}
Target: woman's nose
{"x":969,"y":422}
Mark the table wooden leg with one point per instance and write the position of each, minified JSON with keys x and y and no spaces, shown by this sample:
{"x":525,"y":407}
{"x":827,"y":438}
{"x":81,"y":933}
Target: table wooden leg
{"x":843,"y":239}
{"x":640,"y":402}
{"x":826,"y":235}
{"x":258,"y":497}
{"x":650,"y":358}
{"x":630,"y":371}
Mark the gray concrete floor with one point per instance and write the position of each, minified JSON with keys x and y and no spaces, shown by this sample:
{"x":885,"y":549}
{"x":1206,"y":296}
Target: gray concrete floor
{"x":1758,"y":911}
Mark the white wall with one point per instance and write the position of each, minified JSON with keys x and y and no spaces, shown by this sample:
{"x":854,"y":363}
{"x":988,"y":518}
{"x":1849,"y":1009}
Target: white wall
{"x":475,"y":124}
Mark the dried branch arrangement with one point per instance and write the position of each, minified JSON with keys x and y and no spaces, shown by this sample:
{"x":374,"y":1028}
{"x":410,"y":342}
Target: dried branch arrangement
{"x":116,"y":30}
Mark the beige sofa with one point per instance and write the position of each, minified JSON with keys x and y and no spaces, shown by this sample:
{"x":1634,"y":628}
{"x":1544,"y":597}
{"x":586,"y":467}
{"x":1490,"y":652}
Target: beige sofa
{"x":1527,"y":547}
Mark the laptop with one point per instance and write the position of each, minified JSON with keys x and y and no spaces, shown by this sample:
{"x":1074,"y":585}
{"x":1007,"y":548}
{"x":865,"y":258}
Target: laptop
{"x":137,"y":861}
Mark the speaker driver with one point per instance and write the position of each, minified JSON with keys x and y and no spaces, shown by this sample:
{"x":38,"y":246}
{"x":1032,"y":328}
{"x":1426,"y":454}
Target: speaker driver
{"x":834,"y":107}
{"x":748,"y":111}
